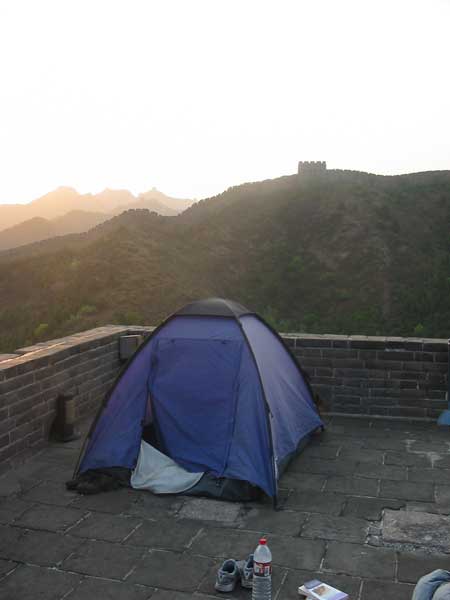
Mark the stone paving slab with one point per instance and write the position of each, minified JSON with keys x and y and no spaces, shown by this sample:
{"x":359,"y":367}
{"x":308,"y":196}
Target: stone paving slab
{"x":266,"y":520}
{"x":352,"y":485}
{"x":406,"y":490}
{"x":416,"y":527}
{"x":162,"y":535}
{"x":37,"y":547}
{"x":50,"y":518}
{"x":373,"y":471}
{"x":403,"y":459}
{"x":333,"y":504}
{"x":312,"y":502}
{"x":205,"y":509}
{"x":12,"y":508}
{"x":114,"y":502}
{"x":102,"y":559}
{"x":360,"y":560}
{"x":441,"y":476}
{"x":6,"y":566}
{"x":50,"y":492}
{"x":385,"y":590}
{"x":30,"y":582}
{"x":370,"y":509}
{"x":412,"y":566}
{"x":327,"y":527}
{"x":171,"y":570}
{"x":101,"y":589}
{"x":307,"y":481}
{"x":109,"y":528}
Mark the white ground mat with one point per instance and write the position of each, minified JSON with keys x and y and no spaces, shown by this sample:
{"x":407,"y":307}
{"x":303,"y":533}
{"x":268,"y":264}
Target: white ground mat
{"x":160,"y":474}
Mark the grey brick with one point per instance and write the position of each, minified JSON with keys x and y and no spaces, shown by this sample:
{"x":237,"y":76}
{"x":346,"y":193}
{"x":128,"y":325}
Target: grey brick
{"x":404,"y":411}
{"x":396,"y":355}
{"x":351,"y":373}
{"x":313,"y":342}
{"x":342,"y":353}
{"x":385,"y":365}
{"x":15,"y":383}
{"x":435,"y":346}
{"x":368,"y":343}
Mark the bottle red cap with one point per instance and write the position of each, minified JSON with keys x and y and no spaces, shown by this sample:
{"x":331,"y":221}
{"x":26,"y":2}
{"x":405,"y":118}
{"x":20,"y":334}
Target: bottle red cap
{"x":263,"y":541}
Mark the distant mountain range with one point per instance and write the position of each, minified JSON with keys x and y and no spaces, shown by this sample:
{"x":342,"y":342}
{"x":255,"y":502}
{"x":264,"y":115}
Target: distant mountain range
{"x":65,"y":211}
{"x":340,"y":252}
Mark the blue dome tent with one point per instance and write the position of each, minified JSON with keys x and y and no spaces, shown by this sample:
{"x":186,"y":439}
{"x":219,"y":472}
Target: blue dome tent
{"x":222,"y":393}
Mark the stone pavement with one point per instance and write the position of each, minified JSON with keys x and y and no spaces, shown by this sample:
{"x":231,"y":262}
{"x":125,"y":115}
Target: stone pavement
{"x":361,"y":508}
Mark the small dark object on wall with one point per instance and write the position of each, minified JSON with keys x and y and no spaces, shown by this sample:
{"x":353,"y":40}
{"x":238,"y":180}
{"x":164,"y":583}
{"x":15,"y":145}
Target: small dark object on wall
{"x":63,"y":426}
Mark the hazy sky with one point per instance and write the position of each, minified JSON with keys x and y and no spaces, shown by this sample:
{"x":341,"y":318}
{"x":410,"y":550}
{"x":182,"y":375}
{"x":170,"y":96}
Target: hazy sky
{"x":194,"y":96}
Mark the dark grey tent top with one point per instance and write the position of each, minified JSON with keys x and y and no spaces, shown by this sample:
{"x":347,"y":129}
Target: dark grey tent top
{"x":214,"y":307}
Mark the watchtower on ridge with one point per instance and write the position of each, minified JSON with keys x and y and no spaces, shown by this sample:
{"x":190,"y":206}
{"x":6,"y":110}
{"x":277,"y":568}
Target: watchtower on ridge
{"x":311,"y":166}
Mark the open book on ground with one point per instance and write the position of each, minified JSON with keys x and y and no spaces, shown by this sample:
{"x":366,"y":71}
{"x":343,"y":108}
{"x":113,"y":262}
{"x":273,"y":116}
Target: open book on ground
{"x":321,"y":591}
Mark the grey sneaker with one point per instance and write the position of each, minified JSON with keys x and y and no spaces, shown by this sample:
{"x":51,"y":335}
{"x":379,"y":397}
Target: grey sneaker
{"x":246,"y":572}
{"x":227,"y":576}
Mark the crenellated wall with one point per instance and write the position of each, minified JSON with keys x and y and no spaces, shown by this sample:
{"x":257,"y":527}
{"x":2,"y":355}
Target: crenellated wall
{"x":84,"y":364}
{"x":384,"y":376}
{"x":357,"y":375}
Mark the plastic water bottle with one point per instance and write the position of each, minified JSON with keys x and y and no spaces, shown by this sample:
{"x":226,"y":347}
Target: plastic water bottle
{"x":262,"y":572}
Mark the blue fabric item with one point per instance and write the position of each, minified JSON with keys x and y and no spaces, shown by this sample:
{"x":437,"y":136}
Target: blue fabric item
{"x":434,"y":586}
{"x":198,"y":380}
{"x":250,"y":455}
{"x":194,"y":392}
{"x":201,"y":328}
{"x":116,"y":440}
{"x":293,"y":413}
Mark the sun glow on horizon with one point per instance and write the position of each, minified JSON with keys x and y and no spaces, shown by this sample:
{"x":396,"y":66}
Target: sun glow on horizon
{"x":193,"y":97}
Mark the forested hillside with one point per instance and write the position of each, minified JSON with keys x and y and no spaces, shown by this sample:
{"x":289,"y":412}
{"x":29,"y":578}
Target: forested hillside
{"x":343,"y":252}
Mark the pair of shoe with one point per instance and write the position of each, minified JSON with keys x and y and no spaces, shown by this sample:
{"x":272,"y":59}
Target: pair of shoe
{"x":232,"y":571}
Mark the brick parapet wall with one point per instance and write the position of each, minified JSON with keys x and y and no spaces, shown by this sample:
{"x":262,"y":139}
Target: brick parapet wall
{"x":383,"y":376}
{"x":84,"y":364}
{"x":394,"y":377}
